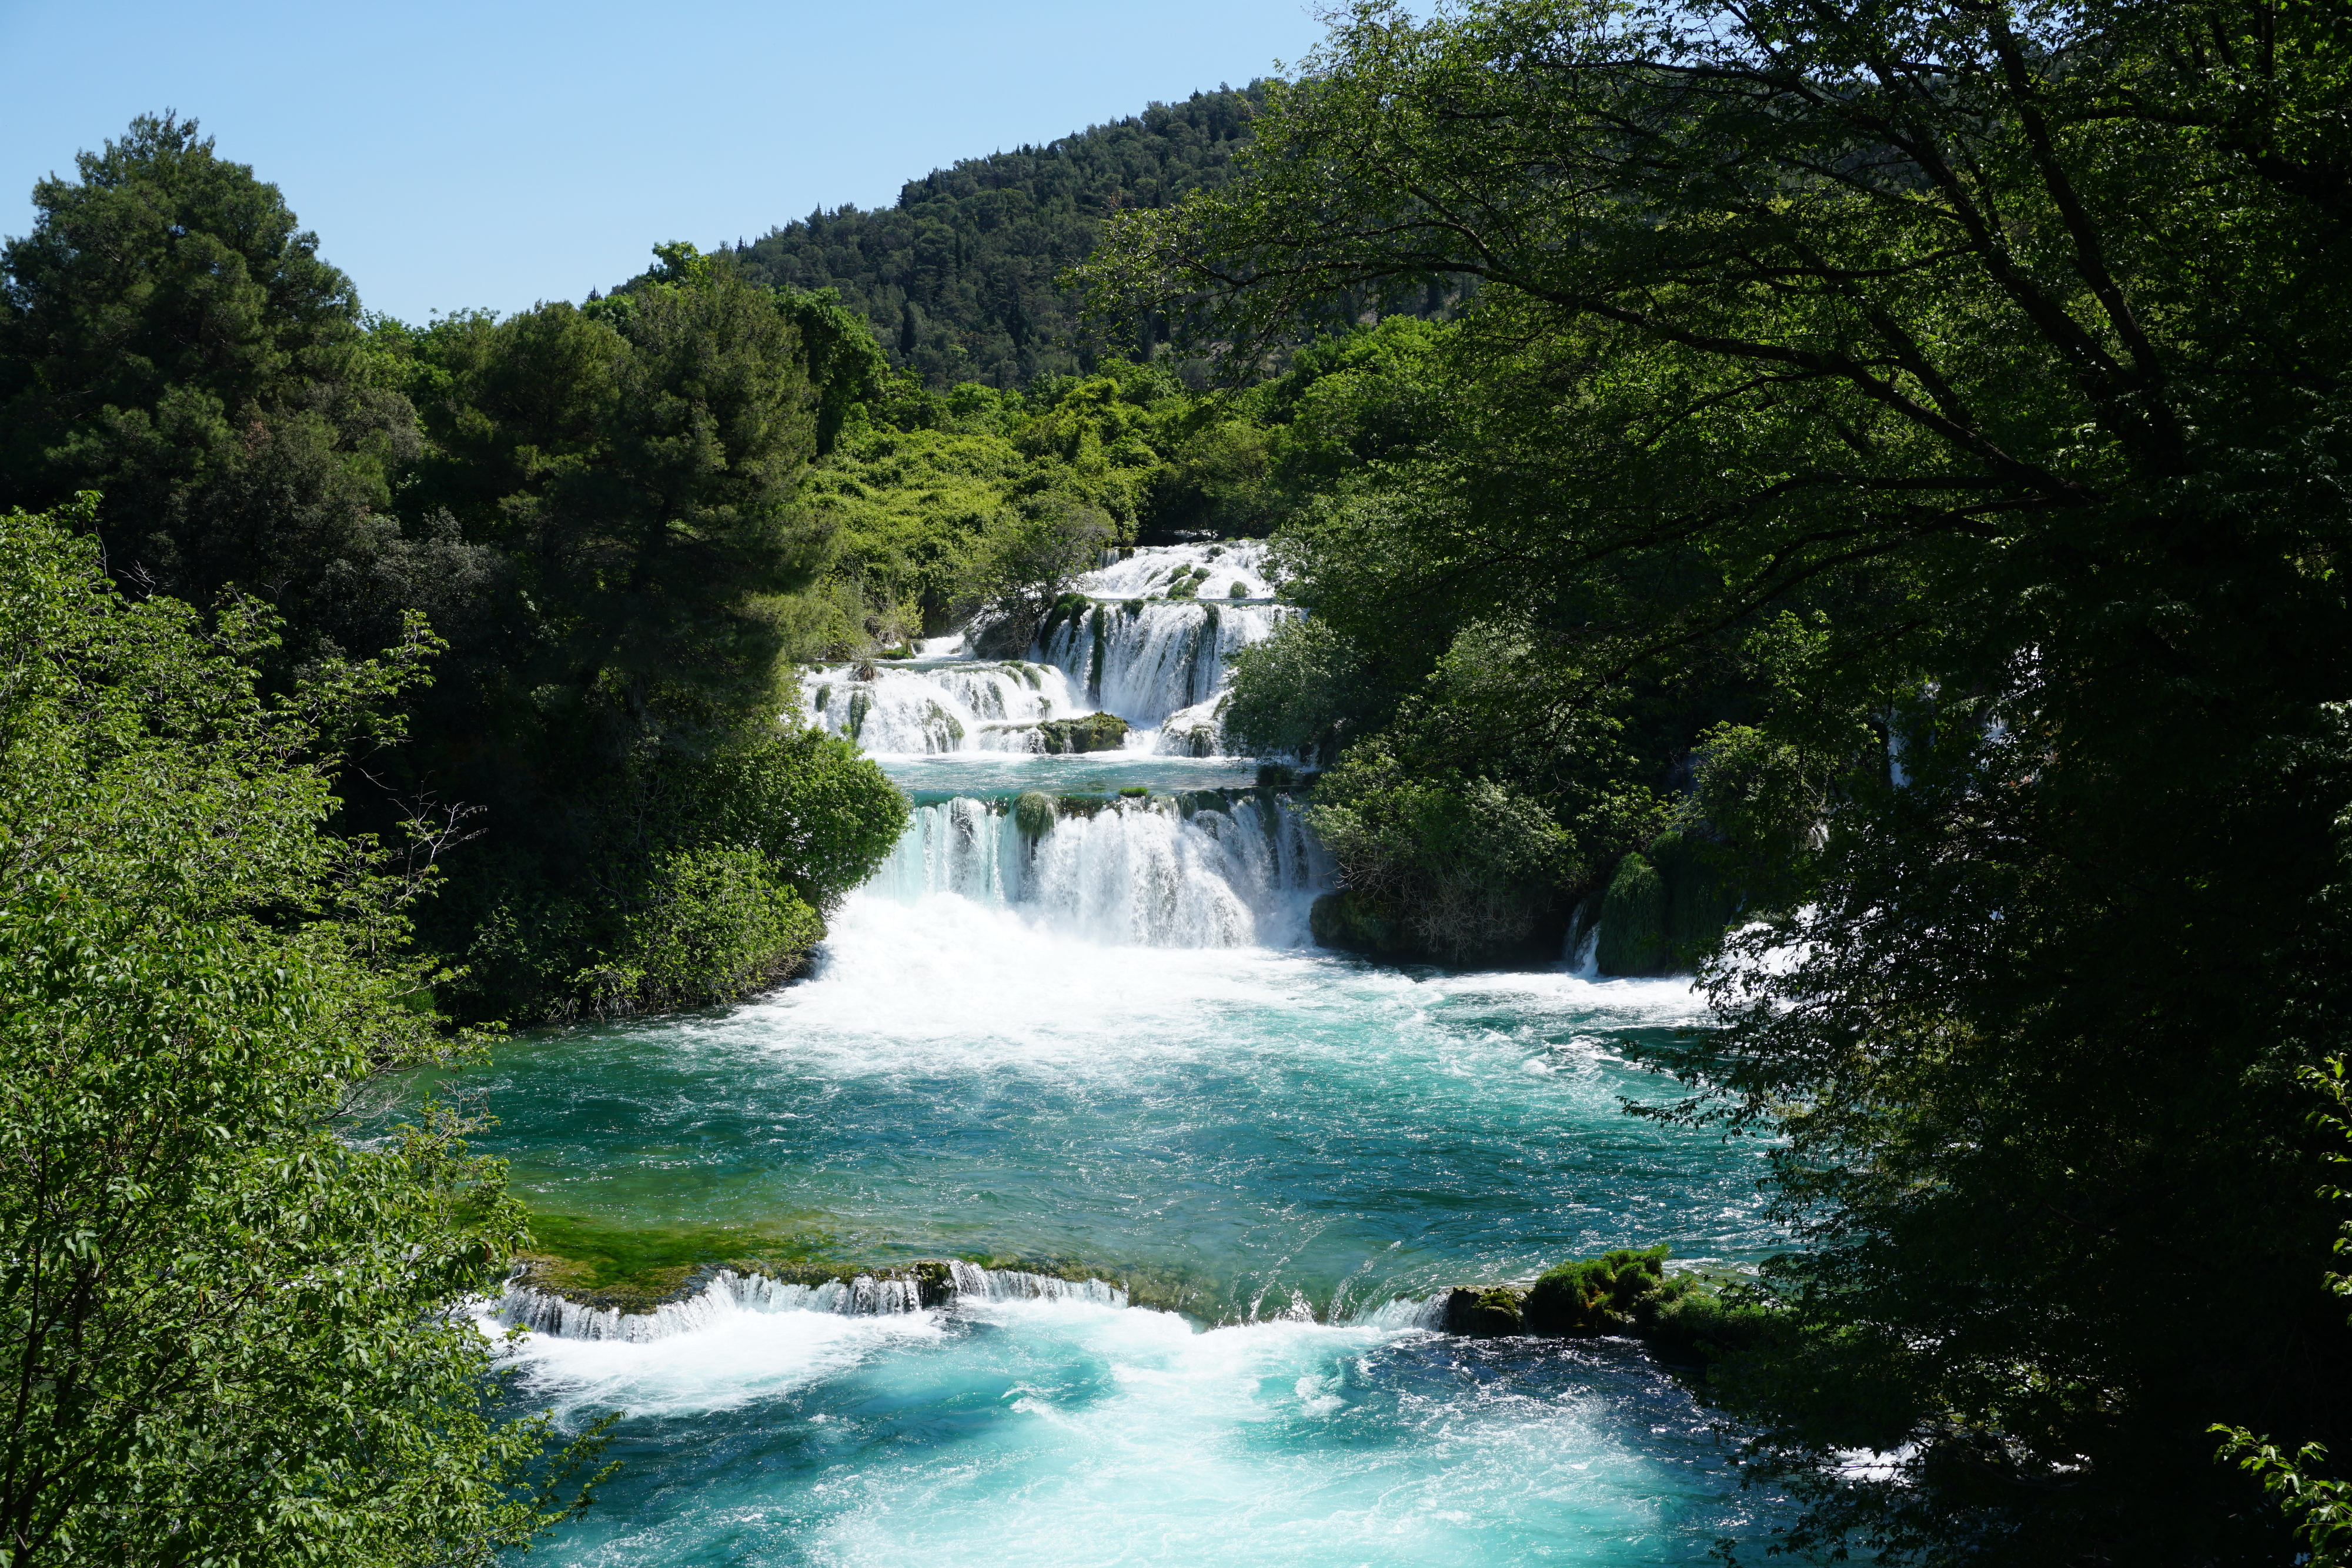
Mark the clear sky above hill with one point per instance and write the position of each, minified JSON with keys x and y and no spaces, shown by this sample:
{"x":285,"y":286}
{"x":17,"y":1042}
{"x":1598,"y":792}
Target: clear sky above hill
{"x":453,"y":154}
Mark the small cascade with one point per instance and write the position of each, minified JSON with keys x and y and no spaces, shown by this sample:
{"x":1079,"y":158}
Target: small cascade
{"x":922,"y":709}
{"x":727,"y":1293}
{"x":1152,"y":644}
{"x":1406,"y":1312}
{"x":1205,"y":869}
{"x":975,"y":1283}
{"x":730,"y":1294}
{"x":1149,"y":661}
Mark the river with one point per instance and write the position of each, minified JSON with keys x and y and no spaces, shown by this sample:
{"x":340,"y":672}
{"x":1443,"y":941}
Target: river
{"x":1107,"y":1046}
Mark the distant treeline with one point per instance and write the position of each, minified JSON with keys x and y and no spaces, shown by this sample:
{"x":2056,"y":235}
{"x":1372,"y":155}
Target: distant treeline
{"x":959,"y":277}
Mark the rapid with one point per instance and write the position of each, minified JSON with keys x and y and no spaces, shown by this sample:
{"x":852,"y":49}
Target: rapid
{"x":1216,"y":1174}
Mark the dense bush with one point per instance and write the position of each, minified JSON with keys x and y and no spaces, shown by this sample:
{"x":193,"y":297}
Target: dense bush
{"x":228,"y":1301}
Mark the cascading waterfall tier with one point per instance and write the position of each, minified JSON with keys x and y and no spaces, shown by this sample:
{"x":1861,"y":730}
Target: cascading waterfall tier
{"x":1205,"y":868}
{"x":1148,"y":636}
{"x":728,"y":1294}
{"x":929,"y":707}
{"x":975,"y":1283}
{"x":1160,"y":664}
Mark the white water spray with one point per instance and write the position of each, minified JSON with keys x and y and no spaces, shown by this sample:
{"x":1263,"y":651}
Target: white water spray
{"x":1206,"y":870}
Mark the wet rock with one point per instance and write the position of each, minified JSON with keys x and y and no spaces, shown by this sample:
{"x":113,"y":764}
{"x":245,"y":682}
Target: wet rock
{"x":1489,"y":1313}
{"x":1034,"y":813}
{"x":1096,"y":732}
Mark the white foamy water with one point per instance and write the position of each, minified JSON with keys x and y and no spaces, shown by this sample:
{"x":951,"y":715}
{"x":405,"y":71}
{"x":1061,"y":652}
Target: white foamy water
{"x":1161,"y":664}
{"x":1202,"y":872}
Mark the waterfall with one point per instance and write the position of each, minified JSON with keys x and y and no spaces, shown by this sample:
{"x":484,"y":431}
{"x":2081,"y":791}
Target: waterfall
{"x":1158,"y":662}
{"x":974,"y":1282}
{"x":1406,"y":1312}
{"x":1203,"y":870}
{"x":1150,"y":661}
{"x":543,"y":1311}
{"x":951,"y":706}
{"x":730,"y":1294}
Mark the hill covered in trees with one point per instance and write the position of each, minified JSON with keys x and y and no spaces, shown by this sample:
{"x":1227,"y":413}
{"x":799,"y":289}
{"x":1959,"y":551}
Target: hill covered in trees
{"x":958,"y":278}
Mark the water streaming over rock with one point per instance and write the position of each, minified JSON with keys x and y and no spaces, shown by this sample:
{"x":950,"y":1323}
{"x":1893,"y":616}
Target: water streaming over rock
{"x":727,"y":1293}
{"x":1208,"y":869}
{"x":975,"y":1283}
{"x":1161,"y":663}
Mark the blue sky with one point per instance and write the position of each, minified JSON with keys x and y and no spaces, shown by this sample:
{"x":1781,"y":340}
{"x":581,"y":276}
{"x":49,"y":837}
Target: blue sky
{"x":492,"y":154}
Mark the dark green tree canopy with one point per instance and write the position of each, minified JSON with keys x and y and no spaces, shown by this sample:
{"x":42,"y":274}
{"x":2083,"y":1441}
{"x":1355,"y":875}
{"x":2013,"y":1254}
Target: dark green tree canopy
{"x":1958,"y":386}
{"x":169,"y":337}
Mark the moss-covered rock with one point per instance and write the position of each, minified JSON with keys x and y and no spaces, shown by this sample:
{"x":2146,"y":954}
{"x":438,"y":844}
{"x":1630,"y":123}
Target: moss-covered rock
{"x":1634,"y":921}
{"x":1034,"y":813}
{"x":1700,"y":1325}
{"x":1094,"y":732}
{"x":934,"y":1282}
{"x":1193,"y":741}
{"x":1490,"y":1312}
{"x":1698,"y":906}
{"x":1614,"y":1293}
{"x":1663,"y":908}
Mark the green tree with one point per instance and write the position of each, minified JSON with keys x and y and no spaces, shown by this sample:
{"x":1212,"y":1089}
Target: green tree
{"x":169,"y":336}
{"x":230,"y":1302}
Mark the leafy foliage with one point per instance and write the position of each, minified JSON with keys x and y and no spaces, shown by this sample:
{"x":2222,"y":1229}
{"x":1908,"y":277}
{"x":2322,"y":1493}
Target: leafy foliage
{"x":1920,"y":427}
{"x":229,"y":1334}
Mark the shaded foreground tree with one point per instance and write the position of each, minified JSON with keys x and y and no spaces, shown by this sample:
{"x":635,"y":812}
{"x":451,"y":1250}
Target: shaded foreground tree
{"x":231,"y":1333}
{"x":1972,"y":375}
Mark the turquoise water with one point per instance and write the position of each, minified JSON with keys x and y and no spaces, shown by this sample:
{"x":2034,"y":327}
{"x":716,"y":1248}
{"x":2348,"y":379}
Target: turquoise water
{"x":1282,"y":1142}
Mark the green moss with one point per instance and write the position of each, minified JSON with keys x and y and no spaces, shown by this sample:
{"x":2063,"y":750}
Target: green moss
{"x":861,"y":703}
{"x":1135,"y":793}
{"x":1617,"y":1292}
{"x":1700,"y":1325}
{"x":1698,"y":906}
{"x":636,"y":1268}
{"x":1033,"y":813}
{"x":1487,"y":1314}
{"x":1094,"y":732}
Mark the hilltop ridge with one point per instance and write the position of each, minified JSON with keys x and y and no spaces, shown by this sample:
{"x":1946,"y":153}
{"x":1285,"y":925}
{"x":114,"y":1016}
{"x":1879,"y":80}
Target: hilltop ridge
{"x":958,"y":279}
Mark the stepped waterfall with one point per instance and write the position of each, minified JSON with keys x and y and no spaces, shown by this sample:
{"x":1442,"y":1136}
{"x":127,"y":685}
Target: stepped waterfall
{"x":1155,"y":662}
{"x":1149,"y":1210}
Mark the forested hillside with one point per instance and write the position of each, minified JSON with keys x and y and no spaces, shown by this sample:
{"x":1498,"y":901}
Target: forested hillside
{"x":958,"y":278}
